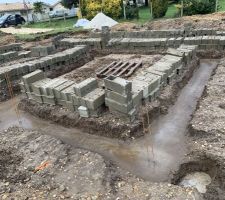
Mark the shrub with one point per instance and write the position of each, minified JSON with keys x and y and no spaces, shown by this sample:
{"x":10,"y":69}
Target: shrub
{"x":112,"y":8}
{"x":159,"y":8}
{"x":132,"y":12}
{"x":93,"y":7}
{"x":193,"y":7}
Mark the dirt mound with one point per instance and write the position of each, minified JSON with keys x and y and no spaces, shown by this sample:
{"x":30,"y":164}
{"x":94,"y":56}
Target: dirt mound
{"x":126,"y":26}
{"x":6,"y":39}
{"x":211,"y":21}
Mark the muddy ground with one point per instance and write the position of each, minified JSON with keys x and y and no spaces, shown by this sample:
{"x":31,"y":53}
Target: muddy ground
{"x":36,"y":166}
{"x":207,"y":134}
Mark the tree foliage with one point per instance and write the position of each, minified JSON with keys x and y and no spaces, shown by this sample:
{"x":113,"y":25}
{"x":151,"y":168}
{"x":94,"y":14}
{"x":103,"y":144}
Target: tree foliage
{"x":38,"y":7}
{"x":111,"y":8}
{"x":159,"y":8}
{"x":69,"y":3}
{"x":193,"y":7}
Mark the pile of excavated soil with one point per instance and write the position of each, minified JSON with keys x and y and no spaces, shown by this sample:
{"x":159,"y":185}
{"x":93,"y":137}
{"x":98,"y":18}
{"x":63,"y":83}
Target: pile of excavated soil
{"x":36,"y":166}
{"x":207,"y":130}
{"x":210,"y":21}
{"x":7,"y":39}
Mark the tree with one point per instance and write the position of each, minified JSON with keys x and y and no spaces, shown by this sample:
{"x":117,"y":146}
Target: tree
{"x":159,"y":8}
{"x":69,"y":3}
{"x":38,"y":7}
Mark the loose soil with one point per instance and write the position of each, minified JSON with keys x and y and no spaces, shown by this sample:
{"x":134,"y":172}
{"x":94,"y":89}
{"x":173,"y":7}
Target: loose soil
{"x":36,"y":166}
{"x":210,"y":21}
{"x":207,"y":132}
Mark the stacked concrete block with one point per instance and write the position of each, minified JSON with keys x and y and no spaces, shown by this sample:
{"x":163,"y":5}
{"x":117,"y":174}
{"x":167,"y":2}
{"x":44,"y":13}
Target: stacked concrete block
{"x":59,"y":94}
{"x":36,"y":89}
{"x":10,"y":47}
{"x":91,"y":42}
{"x":28,"y":79}
{"x":119,"y":97}
{"x":88,"y":97}
{"x":41,"y":51}
{"x":8,"y":56}
{"x":148,"y":83}
{"x":48,"y":90}
{"x":50,"y":62}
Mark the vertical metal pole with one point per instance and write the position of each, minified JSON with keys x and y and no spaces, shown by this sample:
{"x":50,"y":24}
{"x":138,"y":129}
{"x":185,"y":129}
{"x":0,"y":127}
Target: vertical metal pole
{"x":182,"y":8}
{"x":151,"y":8}
{"x":124,"y":9}
{"x":216,"y":5}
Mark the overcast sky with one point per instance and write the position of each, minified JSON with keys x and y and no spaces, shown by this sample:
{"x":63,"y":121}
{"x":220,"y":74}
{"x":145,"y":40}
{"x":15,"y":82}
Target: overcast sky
{"x":31,"y":1}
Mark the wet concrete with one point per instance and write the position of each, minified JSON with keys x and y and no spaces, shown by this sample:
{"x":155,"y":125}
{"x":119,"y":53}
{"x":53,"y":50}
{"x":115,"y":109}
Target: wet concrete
{"x":153,"y":157}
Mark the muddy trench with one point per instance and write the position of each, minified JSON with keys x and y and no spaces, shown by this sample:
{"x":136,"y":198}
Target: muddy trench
{"x":155,"y":156}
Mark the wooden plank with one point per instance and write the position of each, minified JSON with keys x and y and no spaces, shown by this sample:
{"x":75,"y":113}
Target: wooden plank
{"x":125,"y":69}
{"x":119,"y":68}
{"x":133,"y":69}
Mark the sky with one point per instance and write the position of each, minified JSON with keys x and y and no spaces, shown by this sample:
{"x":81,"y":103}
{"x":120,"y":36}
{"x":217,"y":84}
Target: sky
{"x":31,"y":1}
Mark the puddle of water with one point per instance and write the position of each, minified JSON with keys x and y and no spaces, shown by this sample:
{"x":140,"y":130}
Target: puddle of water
{"x":153,"y":157}
{"x":198,"y":180}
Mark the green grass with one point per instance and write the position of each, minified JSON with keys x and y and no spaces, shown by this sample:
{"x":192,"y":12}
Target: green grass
{"x":222,"y":5}
{"x":54,"y":24}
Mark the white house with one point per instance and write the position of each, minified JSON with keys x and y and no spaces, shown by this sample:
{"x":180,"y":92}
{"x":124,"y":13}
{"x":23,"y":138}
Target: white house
{"x":22,"y":9}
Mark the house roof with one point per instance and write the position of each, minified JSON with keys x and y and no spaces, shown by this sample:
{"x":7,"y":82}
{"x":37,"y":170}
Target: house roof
{"x":4,"y":7}
{"x":55,"y":4}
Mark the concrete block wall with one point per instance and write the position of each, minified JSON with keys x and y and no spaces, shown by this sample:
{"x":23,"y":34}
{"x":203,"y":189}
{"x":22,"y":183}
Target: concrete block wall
{"x":8,"y":56}
{"x":50,"y":62}
{"x":40,"y":51}
{"x":91,"y":42}
{"x":85,"y":97}
{"x":10,"y":47}
{"x":119,"y":97}
{"x":122,"y":97}
{"x":214,"y":42}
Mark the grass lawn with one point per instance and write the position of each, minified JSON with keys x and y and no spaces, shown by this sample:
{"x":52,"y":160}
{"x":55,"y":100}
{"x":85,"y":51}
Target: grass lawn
{"x":55,"y":24}
{"x":222,"y":5}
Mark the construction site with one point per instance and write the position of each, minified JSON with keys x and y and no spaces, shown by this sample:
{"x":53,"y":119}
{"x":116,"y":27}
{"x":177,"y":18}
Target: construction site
{"x":122,"y":113}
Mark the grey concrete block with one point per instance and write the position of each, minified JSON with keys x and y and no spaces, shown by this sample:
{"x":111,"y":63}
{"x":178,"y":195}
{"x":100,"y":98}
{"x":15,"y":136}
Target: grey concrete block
{"x":123,"y":99}
{"x":123,"y":108}
{"x":86,"y":86}
{"x":33,"y":77}
{"x":37,"y":98}
{"x":175,"y":52}
{"x":118,"y":85}
{"x":49,"y":100}
{"x":94,"y":99}
{"x":70,"y":106}
{"x":68,"y":92}
{"x":58,"y":90}
{"x":76,"y":100}
{"x":36,"y":86}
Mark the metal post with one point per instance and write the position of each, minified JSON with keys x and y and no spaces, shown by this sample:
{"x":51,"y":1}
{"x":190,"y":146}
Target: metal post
{"x":124,"y":9}
{"x":151,"y":8}
{"x":216,"y":5}
{"x":182,"y":8}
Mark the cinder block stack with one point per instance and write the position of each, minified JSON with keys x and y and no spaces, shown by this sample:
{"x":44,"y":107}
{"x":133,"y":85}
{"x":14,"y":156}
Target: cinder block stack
{"x":119,"y":97}
{"x":40,"y":51}
{"x":49,"y":62}
{"x":148,"y":83}
{"x":88,"y":97}
{"x":28,"y":79}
